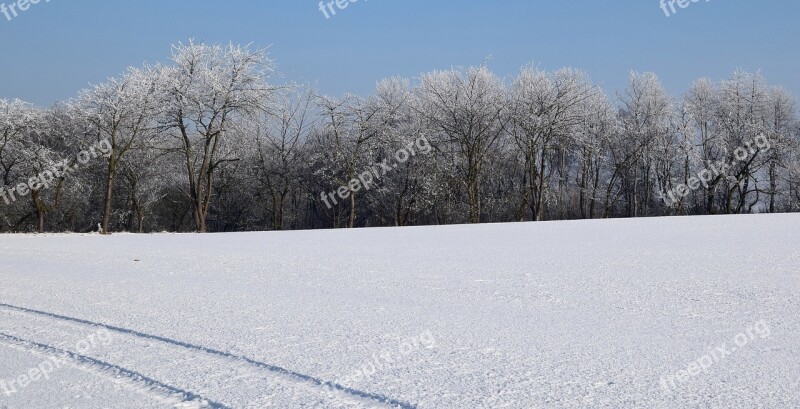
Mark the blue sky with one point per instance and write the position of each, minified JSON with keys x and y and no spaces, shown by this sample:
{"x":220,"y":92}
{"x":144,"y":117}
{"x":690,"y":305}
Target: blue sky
{"x":54,"y":49}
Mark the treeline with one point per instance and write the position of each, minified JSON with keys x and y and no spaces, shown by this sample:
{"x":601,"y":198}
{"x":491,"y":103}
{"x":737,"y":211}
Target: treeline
{"x":209,"y":142}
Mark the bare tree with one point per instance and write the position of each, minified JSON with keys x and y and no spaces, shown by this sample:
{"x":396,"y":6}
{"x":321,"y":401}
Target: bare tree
{"x":209,"y":87}
{"x":742,"y":117}
{"x":280,"y":135}
{"x":467,"y":107}
{"x":647,"y":121}
{"x":545,"y":110}
{"x":593,"y":139}
{"x":120,"y":111}
{"x":781,"y":117}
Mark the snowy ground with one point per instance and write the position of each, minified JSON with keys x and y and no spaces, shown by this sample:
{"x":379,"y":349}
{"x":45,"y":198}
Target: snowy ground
{"x":645,"y":313}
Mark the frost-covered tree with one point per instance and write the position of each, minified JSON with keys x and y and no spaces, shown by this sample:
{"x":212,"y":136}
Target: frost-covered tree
{"x":593,"y":138}
{"x":20,"y":152}
{"x":781,"y":118}
{"x":742,"y":117}
{"x":347,"y":143}
{"x":205,"y":142}
{"x":466,"y":108}
{"x":647,"y":119}
{"x":545,"y":111}
{"x":121,"y":111}
{"x":408,"y":193}
{"x":279,"y":137}
{"x":16,"y":120}
{"x":208,"y":88}
{"x":700,"y":107}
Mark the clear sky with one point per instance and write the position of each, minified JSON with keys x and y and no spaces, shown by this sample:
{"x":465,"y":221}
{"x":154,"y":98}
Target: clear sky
{"x":55,"y":48}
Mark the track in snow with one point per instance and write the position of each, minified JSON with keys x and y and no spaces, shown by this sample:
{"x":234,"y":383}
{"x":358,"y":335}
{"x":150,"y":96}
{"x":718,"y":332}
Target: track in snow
{"x":200,"y":360}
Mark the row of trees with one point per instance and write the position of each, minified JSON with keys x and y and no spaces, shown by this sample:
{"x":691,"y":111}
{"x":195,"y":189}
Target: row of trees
{"x":207,"y":142}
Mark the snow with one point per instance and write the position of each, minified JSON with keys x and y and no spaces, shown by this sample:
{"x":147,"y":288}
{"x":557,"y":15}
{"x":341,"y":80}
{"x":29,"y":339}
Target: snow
{"x":558,"y":315}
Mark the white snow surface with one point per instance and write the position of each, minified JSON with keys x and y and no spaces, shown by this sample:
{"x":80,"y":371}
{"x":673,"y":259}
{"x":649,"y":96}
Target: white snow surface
{"x":584,"y":314}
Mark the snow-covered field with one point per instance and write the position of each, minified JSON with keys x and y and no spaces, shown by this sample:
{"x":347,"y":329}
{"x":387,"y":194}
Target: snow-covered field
{"x":644,"y":313}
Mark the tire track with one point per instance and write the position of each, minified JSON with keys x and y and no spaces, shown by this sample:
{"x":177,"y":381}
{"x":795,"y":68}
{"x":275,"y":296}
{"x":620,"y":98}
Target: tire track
{"x":322,"y":387}
{"x":135,"y":380}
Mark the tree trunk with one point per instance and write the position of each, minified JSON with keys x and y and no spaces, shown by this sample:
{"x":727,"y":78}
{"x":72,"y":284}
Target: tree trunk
{"x":40,"y":210}
{"x":108,"y":196}
{"x":40,"y":221}
{"x":351,"y":221}
{"x":199,"y":218}
{"x":773,"y":186}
